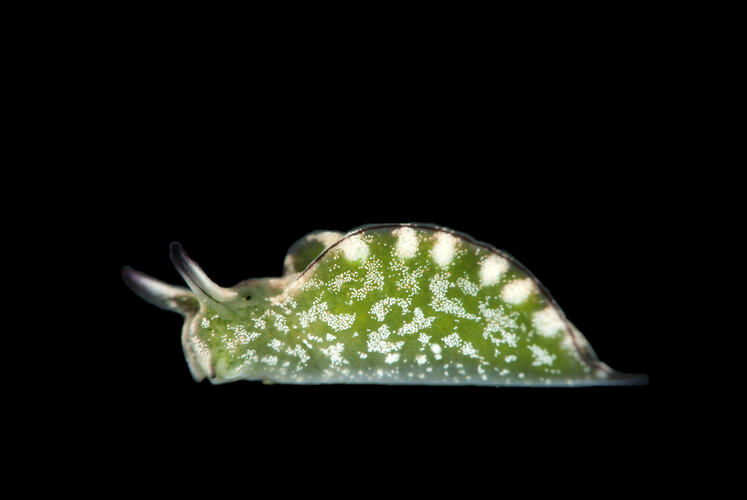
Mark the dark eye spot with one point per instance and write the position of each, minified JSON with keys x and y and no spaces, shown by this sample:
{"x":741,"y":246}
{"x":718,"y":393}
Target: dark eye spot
{"x":248,"y":297}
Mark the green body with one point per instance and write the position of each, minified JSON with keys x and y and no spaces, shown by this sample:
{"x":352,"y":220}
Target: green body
{"x":392,"y":304}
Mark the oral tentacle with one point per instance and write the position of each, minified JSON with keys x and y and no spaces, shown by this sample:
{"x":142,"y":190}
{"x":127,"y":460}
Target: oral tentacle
{"x":158,"y":293}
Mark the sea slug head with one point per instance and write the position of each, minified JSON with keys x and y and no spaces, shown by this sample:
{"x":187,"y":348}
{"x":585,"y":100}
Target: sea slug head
{"x":215,"y":317}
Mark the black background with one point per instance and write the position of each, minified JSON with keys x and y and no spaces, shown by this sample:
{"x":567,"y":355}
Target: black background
{"x":586,"y":144}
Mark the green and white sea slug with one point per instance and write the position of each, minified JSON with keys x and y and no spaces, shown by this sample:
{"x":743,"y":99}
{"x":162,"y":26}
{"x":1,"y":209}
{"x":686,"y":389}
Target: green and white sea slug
{"x":382,"y":304}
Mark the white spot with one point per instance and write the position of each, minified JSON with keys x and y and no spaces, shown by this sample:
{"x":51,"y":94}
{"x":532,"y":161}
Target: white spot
{"x":548,"y":322}
{"x":334,"y":353}
{"x":510,"y":358}
{"x":354,"y":248}
{"x":421,"y":359}
{"x":377,"y":341}
{"x":601,"y":374}
{"x":492,"y":269}
{"x":518,"y":291}
{"x":469,"y":350}
{"x":453,"y":340}
{"x":270,"y":360}
{"x":407,"y":242}
{"x":275,"y":344}
{"x":391,"y":358}
{"x":541,"y":356}
{"x":436,"y":350}
{"x":299,"y":352}
{"x":444,"y":249}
